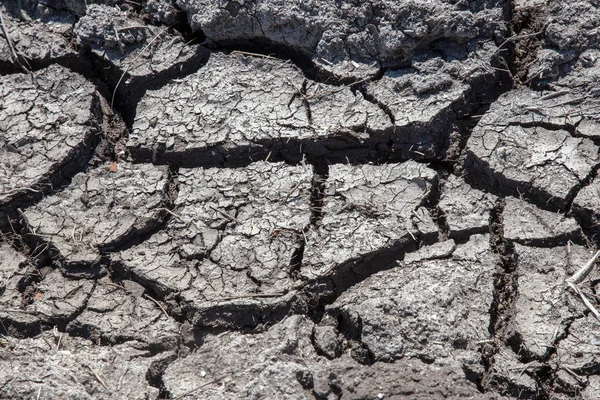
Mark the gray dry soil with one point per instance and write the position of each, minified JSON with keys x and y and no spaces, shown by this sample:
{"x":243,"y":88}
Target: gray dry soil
{"x":321,"y":199}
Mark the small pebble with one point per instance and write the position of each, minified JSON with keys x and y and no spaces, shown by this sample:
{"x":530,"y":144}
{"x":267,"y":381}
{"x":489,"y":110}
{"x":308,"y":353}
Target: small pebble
{"x":203,"y":373}
{"x":380,"y":396}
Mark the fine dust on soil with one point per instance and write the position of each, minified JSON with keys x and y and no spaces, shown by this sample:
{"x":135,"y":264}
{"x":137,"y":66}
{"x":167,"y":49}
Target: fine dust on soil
{"x":376,"y":199}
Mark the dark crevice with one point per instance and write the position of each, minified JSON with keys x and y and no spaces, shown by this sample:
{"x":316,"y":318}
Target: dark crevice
{"x":506,"y":279}
{"x":524,"y":25}
{"x":266,"y":48}
{"x":545,"y":125}
{"x":478,"y":171}
{"x":128,"y":89}
{"x":343,"y":147}
{"x":317,"y":192}
{"x":352,"y":272}
{"x":372,"y":99}
{"x":155,"y":373}
{"x":297,"y":257}
{"x":182,"y":26}
{"x":556,"y":241}
{"x":504,"y":296}
{"x":351,"y":327}
{"x":432,"y":201}
{"x":570,"y":198}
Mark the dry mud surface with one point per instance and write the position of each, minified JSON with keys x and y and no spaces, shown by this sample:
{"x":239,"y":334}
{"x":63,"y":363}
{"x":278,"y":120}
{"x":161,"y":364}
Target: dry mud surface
{"x":370,"y":199}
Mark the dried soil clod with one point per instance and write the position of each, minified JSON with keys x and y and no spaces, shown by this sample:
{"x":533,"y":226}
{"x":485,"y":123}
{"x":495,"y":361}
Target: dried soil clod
{"x":50,"y":125}
{"x":514,"y":151}
{"x":374,"y":205}
{"x":238,"y":108}
{"x":78,"y":369}
{"x":422,"y":309}
{"x":525,"y":223}
{"x":543,"y":308}
{"x":227,"y":254}
{"x":34,"y":36}
{"x":101,"y":210}
{"x":349,"y":40}
{"x":466,"y":209}
{"x":131,"y":56}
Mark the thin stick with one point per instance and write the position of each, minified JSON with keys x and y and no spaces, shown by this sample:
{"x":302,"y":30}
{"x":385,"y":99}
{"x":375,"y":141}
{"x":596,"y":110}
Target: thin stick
{"x":10,"y":45}
{"x":223,"y":213}
{"x":121,"y":379}
{"x":112,"y":101}
{"x":570,"y":371}
{"x":121,"y":47}
{"x":250,"y":296}
{"x":516,"y":37}
{"x":116,"y":286}
{"x":566,"y":102}
{"x":413,"y":212}
{"x":554,"y":94}
{"x":578,"y":277}
{"x":175,"y":215}
{"x":247,"y":53}
{"x":22,"y":312}
{"x":507,"y":67}
{"x":329,"y":271}
{"x":584,"y":271}
{"x":18,"y":189}
{"x":158,"y":304}
{"x":133,"y":27}
{"x":290,"y":193}
{"x":99,"y":378}
{"x":59,"y":339}
{"x":220,"y":378}
{"x":585,"y":300}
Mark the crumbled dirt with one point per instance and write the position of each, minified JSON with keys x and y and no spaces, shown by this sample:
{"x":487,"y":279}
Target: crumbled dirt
{"x":315,"y":200}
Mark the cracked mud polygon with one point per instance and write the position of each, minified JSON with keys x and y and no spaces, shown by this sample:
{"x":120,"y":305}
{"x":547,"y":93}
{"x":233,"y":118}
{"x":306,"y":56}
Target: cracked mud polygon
{"x":377,"y":199}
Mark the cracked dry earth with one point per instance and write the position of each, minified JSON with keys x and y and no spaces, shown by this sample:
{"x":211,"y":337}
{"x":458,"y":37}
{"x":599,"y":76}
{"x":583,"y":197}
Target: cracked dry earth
{"x":369,"y":199}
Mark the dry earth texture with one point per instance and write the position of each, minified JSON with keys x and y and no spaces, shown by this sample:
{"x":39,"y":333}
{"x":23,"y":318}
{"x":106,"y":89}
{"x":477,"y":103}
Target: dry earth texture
{"x":285,"y":199}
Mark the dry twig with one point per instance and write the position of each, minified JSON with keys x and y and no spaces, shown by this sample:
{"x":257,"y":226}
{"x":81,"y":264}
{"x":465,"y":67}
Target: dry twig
{"x":578,"y":277}
{"x":515,"y":38}
{"x":146,"y":47}
{"x":247,"y":53}
{"x":158,"y":304}
{"x":220,"y":378}
{"x":99,"y":378}
{"x":223,"y":213}
{"x":251,"y":296}
{"x":10,"y":45}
